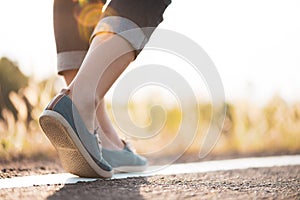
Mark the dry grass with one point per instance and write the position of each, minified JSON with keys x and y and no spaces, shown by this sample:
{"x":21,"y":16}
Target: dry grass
{"x":22,"y":136}
{"x":272,"y":127}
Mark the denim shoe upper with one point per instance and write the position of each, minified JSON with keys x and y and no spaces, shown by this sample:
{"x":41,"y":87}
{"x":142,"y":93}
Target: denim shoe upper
{"x":124,"y":157}
{"x":64,"y":106}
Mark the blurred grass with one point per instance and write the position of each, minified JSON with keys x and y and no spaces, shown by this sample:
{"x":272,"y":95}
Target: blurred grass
{"x":248,"y":128}
{"x":271,"y":128}
{"x":21,"y":135}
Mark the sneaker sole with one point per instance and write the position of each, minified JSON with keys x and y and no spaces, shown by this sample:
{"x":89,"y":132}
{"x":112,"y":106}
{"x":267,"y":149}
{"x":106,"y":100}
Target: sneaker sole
{"x":74,"y":157}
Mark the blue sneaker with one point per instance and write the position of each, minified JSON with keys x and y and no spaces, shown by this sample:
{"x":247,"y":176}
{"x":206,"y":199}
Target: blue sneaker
{"x":125,"y":160}
{"x":78,"y":149}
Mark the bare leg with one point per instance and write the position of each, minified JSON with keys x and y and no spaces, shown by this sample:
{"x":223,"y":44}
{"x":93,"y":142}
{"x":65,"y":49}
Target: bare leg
{"x":69,"y":75}
{"x":109,"y":138}
{"x":103,"y":78}
{"x":108,"y":135}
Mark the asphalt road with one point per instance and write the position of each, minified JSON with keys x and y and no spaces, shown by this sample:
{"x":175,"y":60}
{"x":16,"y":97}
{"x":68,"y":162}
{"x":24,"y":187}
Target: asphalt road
{"x":254,"y":183}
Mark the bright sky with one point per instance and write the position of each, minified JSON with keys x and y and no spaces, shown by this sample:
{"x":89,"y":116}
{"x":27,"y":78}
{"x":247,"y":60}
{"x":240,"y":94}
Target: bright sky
{"x":255,"y":44}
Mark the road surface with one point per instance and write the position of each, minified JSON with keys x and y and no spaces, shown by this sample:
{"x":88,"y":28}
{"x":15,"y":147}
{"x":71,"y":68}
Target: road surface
{"x":256,"y":178}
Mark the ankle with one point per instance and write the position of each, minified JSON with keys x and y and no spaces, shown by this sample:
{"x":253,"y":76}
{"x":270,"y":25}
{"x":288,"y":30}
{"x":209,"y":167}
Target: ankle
{"x":112,"y":143}
{"x":85,"y":107}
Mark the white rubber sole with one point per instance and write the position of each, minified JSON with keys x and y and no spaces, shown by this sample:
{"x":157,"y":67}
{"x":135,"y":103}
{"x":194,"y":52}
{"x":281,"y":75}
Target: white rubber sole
{"x":129,"y":169}
{"x":73,"y":156}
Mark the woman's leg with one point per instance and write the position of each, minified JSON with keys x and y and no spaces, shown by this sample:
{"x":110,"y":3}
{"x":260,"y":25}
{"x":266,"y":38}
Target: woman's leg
{"x":109,"y":53}
{"x":72,"y":46}
{"x":67,"y":46}
{"x":108,"y":135}
{"x":107,"y":58}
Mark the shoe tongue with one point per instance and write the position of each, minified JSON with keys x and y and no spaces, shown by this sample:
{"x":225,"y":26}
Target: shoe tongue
{"x":126,"y":148}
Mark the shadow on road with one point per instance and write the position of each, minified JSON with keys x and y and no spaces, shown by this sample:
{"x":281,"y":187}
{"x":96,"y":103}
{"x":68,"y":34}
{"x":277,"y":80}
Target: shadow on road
{"x":128,"y":188}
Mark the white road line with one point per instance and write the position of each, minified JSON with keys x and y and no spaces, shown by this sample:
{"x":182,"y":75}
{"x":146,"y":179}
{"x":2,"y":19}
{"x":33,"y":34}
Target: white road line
{"x":199,"y":167}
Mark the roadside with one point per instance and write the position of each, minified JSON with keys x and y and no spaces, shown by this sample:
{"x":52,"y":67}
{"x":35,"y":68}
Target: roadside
{"x":51,"y":165}
{"x":255,"y":183}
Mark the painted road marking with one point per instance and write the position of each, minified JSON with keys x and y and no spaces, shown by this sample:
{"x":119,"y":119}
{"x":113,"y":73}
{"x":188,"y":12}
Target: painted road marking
{"x":197,"y":167}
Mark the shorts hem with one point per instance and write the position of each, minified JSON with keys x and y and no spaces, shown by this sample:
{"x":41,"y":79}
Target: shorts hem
{"x":69,"y":60}
{"x":123,"y":27}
